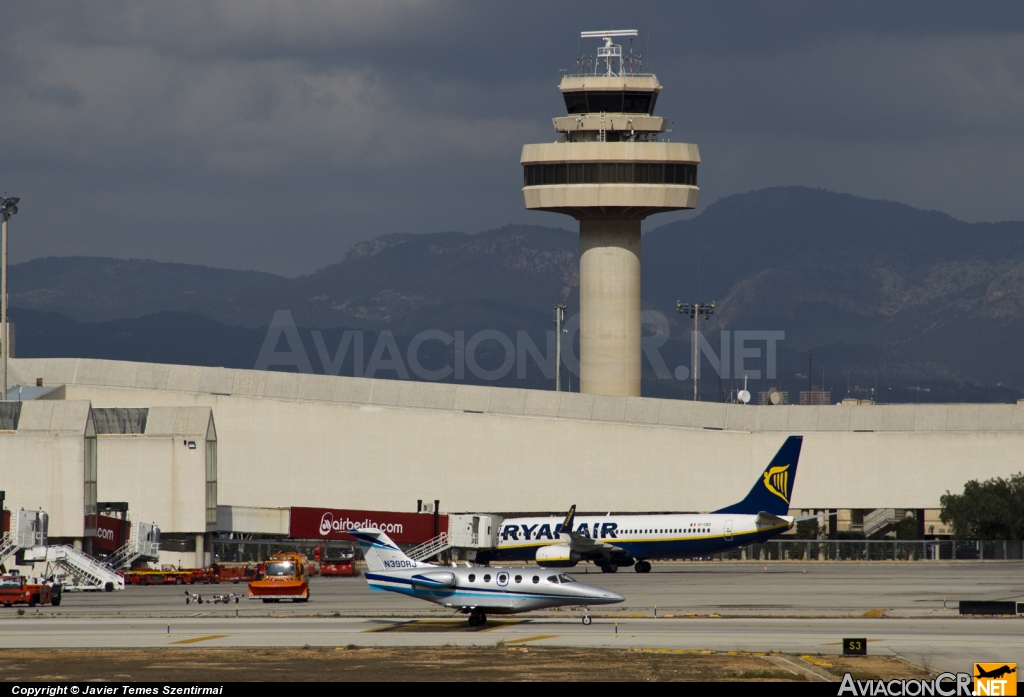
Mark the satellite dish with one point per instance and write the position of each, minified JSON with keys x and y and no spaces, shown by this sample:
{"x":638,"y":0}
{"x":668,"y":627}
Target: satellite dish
{"x":774,"y":398}
{"x":743,"y":397}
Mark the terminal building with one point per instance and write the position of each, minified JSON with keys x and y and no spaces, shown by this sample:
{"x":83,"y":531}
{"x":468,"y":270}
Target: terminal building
{"x":271,"y":440}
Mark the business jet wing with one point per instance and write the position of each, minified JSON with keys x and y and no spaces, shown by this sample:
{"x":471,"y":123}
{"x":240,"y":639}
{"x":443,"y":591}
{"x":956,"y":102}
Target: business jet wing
{"x":587,"y":547}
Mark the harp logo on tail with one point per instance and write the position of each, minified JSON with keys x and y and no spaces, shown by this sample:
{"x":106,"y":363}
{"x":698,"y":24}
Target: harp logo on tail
{"x":776,"y":480}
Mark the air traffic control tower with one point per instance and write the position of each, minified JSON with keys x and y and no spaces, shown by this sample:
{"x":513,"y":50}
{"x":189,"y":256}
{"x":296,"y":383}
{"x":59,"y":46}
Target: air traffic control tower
{"x":609,"y":170}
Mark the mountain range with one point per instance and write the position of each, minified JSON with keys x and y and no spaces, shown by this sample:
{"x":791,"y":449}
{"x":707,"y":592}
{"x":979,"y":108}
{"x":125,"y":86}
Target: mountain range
{"x":878,"y":293}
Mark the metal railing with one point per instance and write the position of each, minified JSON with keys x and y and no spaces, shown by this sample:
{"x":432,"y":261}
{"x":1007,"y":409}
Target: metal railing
{"x":83,"y":572}
{"x":880,"y":518}
{"x":429,"y":548}
{"x":135,"y":548}
{"x":876,"y":550}
{"x":8,"y":546}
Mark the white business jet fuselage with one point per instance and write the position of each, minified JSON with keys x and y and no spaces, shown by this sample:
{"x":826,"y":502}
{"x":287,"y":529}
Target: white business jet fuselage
{"x":475,"y":591}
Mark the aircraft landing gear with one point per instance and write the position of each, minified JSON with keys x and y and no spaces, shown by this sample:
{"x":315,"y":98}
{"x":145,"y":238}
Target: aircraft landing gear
{"x":586,"y":617}
{"x":476,"y":618}
{"x":642,"y":567}
{"x":609,"y":568}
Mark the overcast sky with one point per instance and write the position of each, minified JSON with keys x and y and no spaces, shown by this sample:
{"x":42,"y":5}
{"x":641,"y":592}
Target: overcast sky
{"x":273,"y":135}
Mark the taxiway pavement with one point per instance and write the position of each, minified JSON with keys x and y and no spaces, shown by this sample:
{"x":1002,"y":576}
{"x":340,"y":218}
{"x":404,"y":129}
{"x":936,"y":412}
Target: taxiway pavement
{"x":791,"y":608}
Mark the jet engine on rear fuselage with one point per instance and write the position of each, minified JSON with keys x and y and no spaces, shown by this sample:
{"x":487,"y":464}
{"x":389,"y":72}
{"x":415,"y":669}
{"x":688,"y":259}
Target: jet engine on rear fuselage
{"x":557,"y":556}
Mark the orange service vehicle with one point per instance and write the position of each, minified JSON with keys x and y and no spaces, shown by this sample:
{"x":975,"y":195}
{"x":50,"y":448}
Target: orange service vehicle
{"x":336,"y":562}
{"x":283,"y":577}
{"x":15,"y":590}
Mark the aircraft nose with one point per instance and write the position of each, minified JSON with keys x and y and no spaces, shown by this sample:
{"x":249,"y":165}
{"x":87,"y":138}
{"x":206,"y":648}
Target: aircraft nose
{"x":611,"y":597}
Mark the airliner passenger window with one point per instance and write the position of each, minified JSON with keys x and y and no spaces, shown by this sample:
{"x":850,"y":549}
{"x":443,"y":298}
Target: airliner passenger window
{"x":519,"y":579}
{"x":472,"y":578}
{"x":536,"y":579}
{"x":487,"y":578}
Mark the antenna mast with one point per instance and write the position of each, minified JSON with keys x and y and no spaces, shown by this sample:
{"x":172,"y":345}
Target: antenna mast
{"x":609,"y":52}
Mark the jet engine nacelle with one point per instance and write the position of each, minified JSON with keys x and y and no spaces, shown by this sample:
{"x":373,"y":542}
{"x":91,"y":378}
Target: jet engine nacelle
{"x":557,"y":556}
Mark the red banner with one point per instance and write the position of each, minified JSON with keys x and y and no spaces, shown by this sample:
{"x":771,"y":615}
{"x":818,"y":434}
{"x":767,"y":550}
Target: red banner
{"x":108,"y":534}
{"x":333,"y":523}
{"x":5,"y":522}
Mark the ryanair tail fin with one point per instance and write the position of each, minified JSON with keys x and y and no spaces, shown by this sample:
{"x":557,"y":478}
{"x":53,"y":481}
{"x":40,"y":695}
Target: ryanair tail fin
{"x":380,"y":552}
{"x":773,"y":491}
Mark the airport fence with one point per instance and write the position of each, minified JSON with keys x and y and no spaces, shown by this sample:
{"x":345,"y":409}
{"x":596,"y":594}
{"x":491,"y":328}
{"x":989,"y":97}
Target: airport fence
{"x":774,"y":550}
{"x":259,"y":550}
{"x":877,"y":550}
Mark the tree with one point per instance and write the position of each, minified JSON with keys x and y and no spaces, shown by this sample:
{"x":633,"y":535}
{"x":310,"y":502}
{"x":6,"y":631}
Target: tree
{"x":906,"y":529}
{"x":807,"y":529}
{"x":991,"y":510}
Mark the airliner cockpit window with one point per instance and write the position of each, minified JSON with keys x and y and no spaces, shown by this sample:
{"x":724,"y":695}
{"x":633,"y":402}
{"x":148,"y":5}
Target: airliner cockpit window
{"x":566,"y":578}
{"x":552,"y":579}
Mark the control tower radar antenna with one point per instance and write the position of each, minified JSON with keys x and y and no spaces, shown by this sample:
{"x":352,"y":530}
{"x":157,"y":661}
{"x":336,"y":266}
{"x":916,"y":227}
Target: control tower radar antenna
{"x":609,"y":51}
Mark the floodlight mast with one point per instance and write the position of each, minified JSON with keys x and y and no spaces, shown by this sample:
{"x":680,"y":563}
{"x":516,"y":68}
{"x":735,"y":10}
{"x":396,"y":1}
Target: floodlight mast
{"x":696,"y":311}
{"x":8,"y":207}
{"x":609,"y":51}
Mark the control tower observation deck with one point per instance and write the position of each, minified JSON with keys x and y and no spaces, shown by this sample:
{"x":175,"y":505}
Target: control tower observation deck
{"x":609,"y":170}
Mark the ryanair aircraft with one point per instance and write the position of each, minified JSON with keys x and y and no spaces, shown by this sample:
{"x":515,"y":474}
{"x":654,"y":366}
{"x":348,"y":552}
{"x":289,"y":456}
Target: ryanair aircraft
{"x":620,"y":540}
{"x":475,"y":591}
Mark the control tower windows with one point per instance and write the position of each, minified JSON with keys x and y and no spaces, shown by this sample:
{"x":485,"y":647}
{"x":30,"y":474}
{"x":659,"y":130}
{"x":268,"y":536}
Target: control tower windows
{"x":610,"y":173}
{"x":610,"y":102}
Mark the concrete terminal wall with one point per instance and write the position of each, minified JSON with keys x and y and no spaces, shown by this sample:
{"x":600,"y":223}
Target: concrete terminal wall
{"x":163,"y":479}
{"x":311,"y":440}
{"x":42,"y":463}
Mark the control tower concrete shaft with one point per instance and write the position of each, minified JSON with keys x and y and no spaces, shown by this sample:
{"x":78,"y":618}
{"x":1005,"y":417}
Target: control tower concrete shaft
{"x":609,"y":170}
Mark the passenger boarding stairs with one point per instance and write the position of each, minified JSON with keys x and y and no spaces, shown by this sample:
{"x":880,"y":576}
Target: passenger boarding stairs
{"x":882,"y":520}
{"x":143,"y":543}
{"x":76,"y":570}
{"x":430,"y":548}
{"x":8,"y":546}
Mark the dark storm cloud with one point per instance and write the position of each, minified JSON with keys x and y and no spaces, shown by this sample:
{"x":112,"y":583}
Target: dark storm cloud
{"x":273,"y":135}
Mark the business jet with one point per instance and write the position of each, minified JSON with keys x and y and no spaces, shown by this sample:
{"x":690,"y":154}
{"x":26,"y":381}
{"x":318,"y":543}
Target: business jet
{"x":613,"y":541}
{"x":475,"y":591}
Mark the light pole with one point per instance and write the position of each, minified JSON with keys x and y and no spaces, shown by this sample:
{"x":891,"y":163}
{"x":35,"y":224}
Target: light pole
{"x":559,"y":318}
{"x":695,"y":310}
{"x":8,"y":207}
